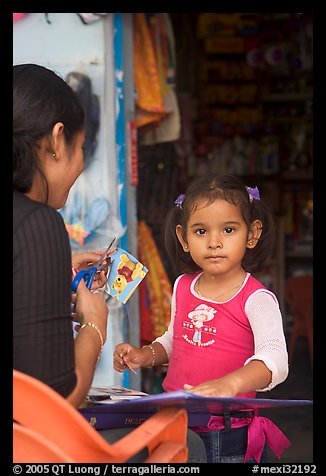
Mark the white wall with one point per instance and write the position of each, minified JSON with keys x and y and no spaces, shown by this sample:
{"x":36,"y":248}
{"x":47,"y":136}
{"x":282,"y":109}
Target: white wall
{"x":63,"y":45}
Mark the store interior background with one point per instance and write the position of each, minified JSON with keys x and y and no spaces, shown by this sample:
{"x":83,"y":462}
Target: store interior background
{"x":241,"y":95}
{"x":244,"y":88}
{"x":244,"y":84}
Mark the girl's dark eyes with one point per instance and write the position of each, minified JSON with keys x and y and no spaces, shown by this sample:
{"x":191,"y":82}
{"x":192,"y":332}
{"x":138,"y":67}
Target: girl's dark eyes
{"x":228,"y":230}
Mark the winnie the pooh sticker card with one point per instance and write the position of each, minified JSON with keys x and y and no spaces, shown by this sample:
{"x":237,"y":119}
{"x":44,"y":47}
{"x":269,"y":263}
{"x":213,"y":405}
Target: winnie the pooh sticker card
{"x":126,"y":273}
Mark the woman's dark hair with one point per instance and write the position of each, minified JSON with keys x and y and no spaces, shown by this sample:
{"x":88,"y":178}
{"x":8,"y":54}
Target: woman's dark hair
{"x":208,"y":189}
{"x":41,"y":98}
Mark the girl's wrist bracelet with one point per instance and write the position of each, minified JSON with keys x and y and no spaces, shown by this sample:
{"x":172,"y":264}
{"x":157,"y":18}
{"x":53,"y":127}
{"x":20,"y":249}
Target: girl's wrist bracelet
{"x":93,"y":326}
{"x":153,"y":352}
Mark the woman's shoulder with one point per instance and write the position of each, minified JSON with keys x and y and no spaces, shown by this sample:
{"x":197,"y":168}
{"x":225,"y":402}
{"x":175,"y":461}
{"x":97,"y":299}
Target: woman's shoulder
{"x":24,"y":203}
{"x":26,"y":210}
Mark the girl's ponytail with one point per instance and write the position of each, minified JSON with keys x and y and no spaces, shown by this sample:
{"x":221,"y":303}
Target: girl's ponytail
{"x":182,"y":261}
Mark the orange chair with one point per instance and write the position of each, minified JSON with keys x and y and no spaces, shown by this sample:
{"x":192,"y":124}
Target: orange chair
{"x":38,"y":408}
{"x":299,"y":299}
{"x":30,"y":447}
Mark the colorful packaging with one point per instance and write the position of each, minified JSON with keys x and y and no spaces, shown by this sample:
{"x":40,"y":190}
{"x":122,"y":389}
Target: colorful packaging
{"x":126,"y":273}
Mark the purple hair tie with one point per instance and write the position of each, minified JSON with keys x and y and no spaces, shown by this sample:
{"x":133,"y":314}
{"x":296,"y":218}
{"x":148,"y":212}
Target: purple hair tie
{"x":253,"y":193}
{"x":179,"y":201}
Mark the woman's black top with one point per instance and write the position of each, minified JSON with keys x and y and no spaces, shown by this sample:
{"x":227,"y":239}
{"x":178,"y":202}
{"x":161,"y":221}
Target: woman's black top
{"x":43,"y":342}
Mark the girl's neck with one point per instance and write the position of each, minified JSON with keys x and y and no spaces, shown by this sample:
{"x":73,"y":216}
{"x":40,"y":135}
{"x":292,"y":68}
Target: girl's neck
{"x":222,"y":279}
{"x":219,"y":287}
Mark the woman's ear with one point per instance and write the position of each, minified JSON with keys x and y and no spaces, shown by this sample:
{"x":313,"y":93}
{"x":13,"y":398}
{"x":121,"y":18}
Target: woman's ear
{"x":57,"y":141}
{"x":255,"y":232}
{"x":183,"y":243}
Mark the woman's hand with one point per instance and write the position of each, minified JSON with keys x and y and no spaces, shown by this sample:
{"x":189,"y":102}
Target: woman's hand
{"x":87,"y":260}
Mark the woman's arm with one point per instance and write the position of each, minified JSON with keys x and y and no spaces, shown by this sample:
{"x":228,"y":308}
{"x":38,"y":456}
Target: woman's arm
{"x":44,"y":344}
{"x":92,"y":312}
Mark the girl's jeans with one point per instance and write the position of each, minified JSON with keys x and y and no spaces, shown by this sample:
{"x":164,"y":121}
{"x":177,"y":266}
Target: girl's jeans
{"x":228,"y":446}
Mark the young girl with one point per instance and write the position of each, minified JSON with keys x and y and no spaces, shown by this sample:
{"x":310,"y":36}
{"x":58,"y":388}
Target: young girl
{"x":225,"y":338}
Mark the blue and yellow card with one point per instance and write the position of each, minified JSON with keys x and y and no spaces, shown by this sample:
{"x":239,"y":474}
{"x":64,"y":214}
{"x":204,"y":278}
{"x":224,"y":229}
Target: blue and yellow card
{"x":126,"y":273}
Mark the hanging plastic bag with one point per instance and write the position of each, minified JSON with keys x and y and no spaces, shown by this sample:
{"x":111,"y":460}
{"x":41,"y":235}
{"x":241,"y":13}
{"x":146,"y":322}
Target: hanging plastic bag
{"x":88,"y":215}
{"x":82,"y":86}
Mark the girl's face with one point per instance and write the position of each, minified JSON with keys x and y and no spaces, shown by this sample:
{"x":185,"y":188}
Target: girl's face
{"x":216,"y":237}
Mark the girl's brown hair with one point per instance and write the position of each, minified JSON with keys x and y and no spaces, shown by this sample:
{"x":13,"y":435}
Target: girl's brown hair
{"x":207,"y":189}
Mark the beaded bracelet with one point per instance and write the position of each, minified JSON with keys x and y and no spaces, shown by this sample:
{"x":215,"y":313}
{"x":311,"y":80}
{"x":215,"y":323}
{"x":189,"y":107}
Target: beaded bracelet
{"x":93,"y":326}
{"x":153,"y":352}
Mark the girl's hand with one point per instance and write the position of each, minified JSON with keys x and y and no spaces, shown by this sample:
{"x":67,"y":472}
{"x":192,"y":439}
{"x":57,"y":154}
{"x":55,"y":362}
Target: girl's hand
{"x":127,"y":356}
{"x":222,"y":387}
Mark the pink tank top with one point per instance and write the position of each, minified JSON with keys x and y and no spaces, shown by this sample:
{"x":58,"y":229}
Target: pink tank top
{"x":210,"y":339}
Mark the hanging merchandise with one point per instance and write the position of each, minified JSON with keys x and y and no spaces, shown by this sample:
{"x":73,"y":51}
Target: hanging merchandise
{"x":87,"y":18}
{"x":166,"y":129}
{"x":88,"y":216}
{"x":133,"y":153}
{"x":157,"y":284}
{"x":145,"y":324}
{"x":82,"y":86}
{"x":149,"y":98}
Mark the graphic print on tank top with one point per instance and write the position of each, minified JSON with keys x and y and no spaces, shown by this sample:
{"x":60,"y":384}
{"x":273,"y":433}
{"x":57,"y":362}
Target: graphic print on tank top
{"x":198,"y":325}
